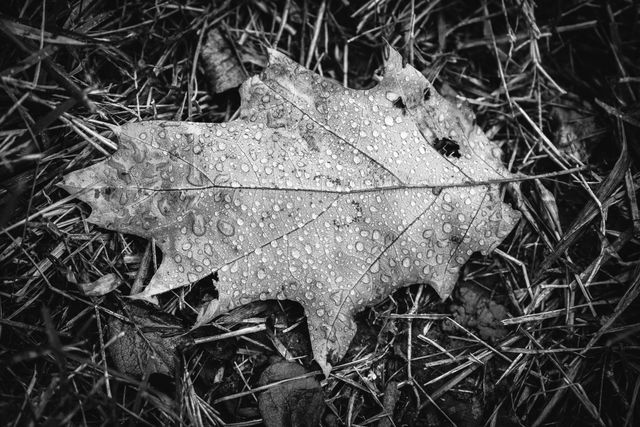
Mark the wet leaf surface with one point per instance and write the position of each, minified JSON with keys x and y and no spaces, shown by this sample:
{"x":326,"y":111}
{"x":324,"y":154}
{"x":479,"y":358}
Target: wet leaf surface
{"x":319,"y":194}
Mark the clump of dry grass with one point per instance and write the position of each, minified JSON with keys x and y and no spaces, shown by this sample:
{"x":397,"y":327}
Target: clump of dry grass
{"x":556,"y":85}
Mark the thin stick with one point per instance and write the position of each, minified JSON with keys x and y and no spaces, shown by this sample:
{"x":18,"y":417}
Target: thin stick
{"x":238,"y":333}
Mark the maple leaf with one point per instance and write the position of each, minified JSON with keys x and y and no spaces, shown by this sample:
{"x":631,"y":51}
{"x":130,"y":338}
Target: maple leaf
{"x":319,"y":194}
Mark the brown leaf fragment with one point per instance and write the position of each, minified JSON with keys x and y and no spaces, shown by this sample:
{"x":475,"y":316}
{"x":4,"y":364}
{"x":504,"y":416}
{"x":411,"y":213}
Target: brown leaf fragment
{"x":145,"y":344}
{"x":221,"y":63}
{"x":319,"y":194}
{"x":574,"y":128}
{"x":299,"y":402}
{"x":102,"y":286}
{"x":475,"y":309}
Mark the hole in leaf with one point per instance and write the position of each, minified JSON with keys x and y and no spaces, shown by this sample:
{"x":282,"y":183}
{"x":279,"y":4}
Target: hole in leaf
{"x":208,"y":281}
{"x":207,"y":285}
{"x":447,"y":147}
{"x":202,"y":291}
{"x":426,"y":94}
{"x":399,"y":103}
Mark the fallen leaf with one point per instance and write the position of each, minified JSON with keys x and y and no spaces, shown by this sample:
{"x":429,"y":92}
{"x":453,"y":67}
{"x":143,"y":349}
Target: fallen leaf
{"x":224,"y":70}
{"x":476,"y":310}
{"x":146,"y":344}
{"x":319,"y":194}
{"x":298,"y":402}
{"x":574,"y":128}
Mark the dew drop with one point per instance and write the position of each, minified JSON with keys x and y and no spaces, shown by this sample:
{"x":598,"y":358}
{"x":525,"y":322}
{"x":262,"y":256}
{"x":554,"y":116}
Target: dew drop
{"x":225,"y":228}
{"x":391,"y":96}
{"x":198,"y":227}
{"x":195,"y":177}
{"x":375,"y":267}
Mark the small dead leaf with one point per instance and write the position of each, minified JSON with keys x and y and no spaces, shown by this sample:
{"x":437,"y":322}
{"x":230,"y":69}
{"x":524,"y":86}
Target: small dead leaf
{"x":476,"y":310}
{"x":224,"y":70}
{"x":102,"y":286}
{"x":574,"y":128}
{"x":147,"y":344}
{"x":298,"y":402}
